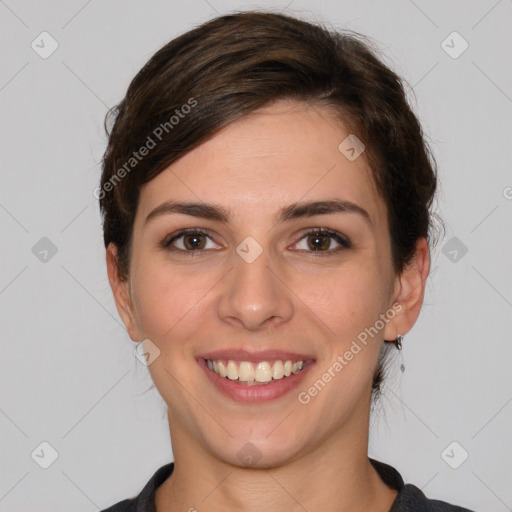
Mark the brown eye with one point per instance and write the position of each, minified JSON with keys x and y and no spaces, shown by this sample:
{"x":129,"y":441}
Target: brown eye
{"x":189,"y":241}
{"x":323,"y":240}
{"x":193,"y":242}
{"x":318,"y":242}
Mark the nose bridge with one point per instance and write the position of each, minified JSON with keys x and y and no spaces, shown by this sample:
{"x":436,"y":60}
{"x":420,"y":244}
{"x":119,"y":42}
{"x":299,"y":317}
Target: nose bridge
{"x":253,"y":293}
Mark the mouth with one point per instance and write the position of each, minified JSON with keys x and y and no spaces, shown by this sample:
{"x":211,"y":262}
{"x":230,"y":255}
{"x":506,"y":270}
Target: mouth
{"x":255,"y":374}
{"x":254,"y":378}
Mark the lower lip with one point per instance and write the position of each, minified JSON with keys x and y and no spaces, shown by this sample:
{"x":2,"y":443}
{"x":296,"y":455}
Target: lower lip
{"x":256,"y":393}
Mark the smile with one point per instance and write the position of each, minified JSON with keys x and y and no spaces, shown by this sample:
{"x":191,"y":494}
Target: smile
{"x":255,"y":373}
{"x":263,"y":379}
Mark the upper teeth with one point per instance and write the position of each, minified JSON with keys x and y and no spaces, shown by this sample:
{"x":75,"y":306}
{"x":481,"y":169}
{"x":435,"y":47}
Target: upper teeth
{"x":263,"y":371}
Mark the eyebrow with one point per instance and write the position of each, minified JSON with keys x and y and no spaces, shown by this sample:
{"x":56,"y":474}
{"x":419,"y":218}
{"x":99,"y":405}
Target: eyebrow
{"x":293,"y":211}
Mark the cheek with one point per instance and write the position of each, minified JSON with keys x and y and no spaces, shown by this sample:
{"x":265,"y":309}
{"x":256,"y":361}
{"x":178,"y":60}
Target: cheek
{"x":166,"y":299}
{"x":347,"y":300}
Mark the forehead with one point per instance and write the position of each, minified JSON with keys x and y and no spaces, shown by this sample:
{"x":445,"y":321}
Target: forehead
{"x":281,"y":154}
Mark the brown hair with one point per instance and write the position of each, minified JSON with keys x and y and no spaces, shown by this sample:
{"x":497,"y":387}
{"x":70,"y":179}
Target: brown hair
{"x":232,"y":65}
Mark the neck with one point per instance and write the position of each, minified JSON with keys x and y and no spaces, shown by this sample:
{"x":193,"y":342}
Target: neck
{"x":336,"y":476}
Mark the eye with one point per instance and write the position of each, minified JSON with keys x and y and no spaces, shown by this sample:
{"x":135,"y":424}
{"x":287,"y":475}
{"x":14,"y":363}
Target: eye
{"x":322,"y":240}
{"x":193,"y":240}
{"x":189,"y":240}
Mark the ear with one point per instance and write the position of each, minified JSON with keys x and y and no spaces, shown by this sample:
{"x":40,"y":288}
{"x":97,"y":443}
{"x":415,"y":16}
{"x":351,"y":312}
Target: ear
{"x":122,"y":293}
{"x":409,"y":292}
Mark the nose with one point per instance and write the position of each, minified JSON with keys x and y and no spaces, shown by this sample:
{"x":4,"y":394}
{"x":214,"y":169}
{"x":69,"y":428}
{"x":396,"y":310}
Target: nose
{"x":254,"y":295}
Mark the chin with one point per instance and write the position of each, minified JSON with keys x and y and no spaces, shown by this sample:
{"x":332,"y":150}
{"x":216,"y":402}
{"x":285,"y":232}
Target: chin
{"x":259,"y":452}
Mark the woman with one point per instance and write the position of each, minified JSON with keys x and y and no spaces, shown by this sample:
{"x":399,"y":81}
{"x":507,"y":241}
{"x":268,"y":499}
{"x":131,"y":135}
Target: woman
{"x":266,"y":196}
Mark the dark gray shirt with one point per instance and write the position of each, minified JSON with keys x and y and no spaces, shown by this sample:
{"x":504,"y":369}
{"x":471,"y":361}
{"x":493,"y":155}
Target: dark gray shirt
{"x":408,"y":499}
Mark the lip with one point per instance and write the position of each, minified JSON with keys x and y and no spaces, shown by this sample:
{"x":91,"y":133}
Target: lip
{"x":255,"y":393}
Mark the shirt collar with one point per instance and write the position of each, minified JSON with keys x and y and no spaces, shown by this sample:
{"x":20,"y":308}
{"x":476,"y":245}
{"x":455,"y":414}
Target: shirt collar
{"x":146,"y":499}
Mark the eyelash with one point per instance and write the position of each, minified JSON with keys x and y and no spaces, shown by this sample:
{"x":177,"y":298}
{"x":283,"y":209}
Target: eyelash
{"x":338,"y":237}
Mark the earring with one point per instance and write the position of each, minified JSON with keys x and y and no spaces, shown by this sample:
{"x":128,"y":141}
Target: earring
{"x":398,"y":345}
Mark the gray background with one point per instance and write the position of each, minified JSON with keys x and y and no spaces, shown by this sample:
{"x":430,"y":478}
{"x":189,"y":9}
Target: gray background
{"x":69,"y":377}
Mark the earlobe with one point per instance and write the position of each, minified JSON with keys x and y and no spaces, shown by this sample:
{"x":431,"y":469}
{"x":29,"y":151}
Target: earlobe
{"x":121,"y":291}
{"x":410,"y":292}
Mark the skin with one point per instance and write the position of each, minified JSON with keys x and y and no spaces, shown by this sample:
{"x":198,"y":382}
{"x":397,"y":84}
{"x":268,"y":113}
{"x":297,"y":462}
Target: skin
{"x":290,"y":298}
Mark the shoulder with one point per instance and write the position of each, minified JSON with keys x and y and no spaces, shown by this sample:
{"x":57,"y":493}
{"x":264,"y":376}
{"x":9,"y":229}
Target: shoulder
{"x":409,"y":497}
{"x":412,"y":499}
{"x":129,"y":505}
{"x":145,"y":500}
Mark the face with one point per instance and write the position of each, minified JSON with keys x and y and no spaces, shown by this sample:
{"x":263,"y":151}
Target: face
{"x":297,"y":270}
